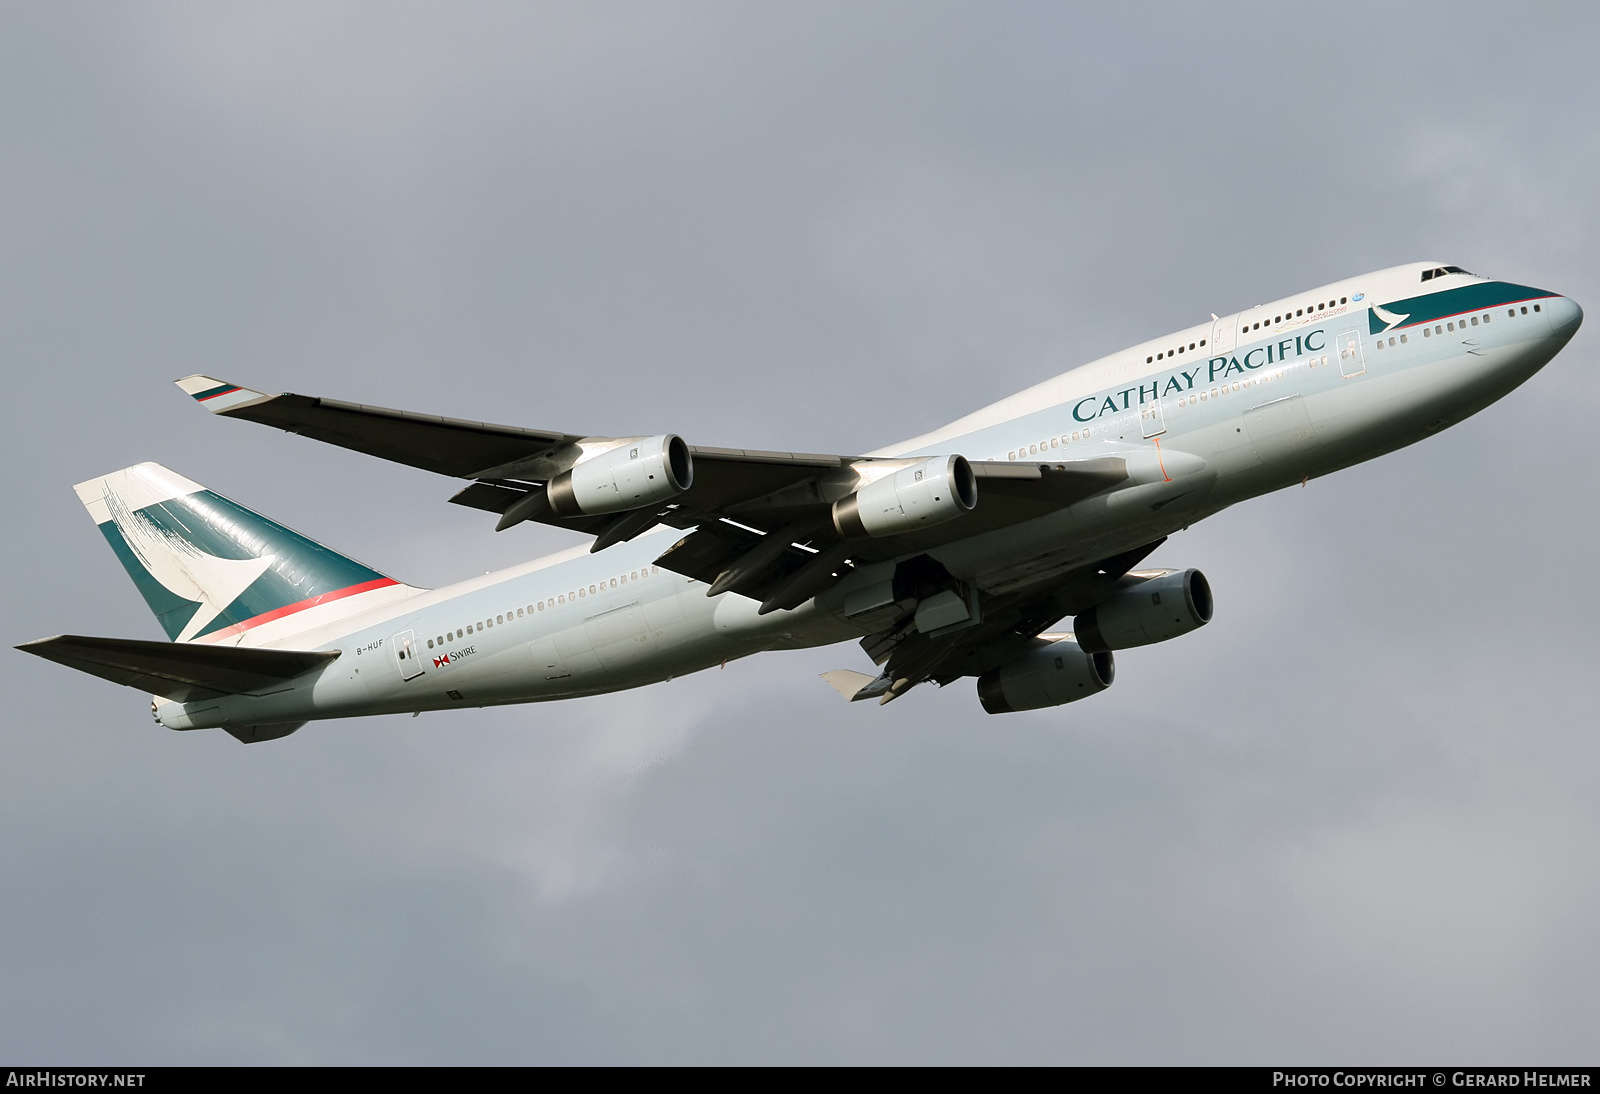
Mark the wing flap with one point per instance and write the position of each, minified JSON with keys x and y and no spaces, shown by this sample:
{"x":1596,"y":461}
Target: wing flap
{"x":180,"y":671}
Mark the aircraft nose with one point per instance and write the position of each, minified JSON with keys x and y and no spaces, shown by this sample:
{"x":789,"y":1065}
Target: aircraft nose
{"x":1565,"y":315}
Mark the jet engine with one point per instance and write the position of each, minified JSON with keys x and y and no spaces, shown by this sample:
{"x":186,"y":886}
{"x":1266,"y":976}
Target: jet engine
{"x":632,"y":475}
{"x":1155,"y":606}
{"x":1046,"y":676}
{"x":920,"y":496}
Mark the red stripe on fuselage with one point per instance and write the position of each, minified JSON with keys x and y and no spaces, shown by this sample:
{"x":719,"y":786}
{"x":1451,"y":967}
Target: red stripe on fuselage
{"x":291,"y":609}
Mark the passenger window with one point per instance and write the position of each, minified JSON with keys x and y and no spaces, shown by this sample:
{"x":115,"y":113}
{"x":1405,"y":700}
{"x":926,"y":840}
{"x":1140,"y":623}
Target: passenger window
{"x":1511,"y":313}
{"x":1474,"y":320}
{"x":613,"y":583}
{"x":1427,"y":332}
{"x":1485,"y":317}
{"x":430,"y":643}
{"x":1402,"y":338}
{"x":1524,"y":309}
{"x":1342,"y":300}
{"x":1391,"y":340}
{"x":1452,"y":326}
{"x":1438,"y":330}
{"x":1536,"y":307}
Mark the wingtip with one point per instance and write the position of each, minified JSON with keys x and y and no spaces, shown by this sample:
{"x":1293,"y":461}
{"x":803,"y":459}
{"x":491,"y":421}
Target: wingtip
{"x":214,"y":394}
{"x":846,"y":682}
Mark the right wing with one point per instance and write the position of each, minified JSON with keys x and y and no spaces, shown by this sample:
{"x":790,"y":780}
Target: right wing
{"x":760,"y":522}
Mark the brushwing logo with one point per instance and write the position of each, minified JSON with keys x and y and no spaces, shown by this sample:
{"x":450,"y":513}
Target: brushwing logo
{"x":1390,"y":319}
{"x":183,"y":569}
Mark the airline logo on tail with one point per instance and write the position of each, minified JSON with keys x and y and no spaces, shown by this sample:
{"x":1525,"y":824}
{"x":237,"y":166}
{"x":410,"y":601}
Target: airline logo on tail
{"x":182,"y":569}
{"x":209,"y":568}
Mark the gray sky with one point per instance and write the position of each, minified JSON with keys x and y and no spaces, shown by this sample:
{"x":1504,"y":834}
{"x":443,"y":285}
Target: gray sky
{"x":1354,"y":819}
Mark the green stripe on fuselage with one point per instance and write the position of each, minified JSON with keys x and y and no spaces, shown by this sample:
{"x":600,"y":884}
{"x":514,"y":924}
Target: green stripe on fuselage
{"x":1441,"y":305}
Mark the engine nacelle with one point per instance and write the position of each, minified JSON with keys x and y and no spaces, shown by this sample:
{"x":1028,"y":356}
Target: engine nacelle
{"x":1161,"y":606}
{"x":632,"y":475}
{"x":1046,"y":676}
{"x":920,"y":496}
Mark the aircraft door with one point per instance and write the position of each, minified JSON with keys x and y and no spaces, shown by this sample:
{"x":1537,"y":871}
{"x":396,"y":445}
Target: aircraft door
{"x":1223,"y":332}
{"x":620,"y":636}
{"x":547,"y":662}
{"x":406,"y":655}
{"x":1352,"y":362}
{"x":1280,"y":430}
{"x":1152,"y":422}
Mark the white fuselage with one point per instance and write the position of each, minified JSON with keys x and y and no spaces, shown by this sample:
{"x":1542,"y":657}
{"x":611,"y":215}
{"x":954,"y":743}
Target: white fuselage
{"x":1205,"y":417}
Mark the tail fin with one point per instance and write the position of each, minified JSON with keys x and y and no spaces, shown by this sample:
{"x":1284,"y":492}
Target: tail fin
{"x":214,"y":571}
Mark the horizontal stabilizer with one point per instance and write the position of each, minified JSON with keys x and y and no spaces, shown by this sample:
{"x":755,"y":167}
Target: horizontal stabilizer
{"x":179,"y":671}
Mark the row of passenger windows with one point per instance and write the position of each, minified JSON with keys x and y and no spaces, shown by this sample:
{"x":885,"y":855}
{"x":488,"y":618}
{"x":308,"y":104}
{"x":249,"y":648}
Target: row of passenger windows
{"x":1440,"y":328}
{"x":1238,"y":385}
{"x":1171,"y":352}
{"x":1027,"y":450}
{"x":541,"y":605}
{"x":1309,"y":309}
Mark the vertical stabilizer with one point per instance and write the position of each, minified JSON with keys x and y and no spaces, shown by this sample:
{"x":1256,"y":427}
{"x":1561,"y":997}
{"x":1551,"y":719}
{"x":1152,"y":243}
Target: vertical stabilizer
{"x":214,"y":571}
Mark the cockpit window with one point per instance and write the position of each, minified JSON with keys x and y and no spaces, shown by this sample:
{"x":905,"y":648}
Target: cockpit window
{"x":1429,"y":275}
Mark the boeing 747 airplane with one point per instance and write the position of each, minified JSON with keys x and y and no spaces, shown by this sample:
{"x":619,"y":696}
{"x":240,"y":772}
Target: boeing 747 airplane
{"x":949,"y":555}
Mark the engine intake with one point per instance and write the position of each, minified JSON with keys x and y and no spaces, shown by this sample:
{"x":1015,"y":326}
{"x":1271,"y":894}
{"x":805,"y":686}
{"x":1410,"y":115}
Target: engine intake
{"x":920,"y":496}
{"x":632,"y":475}
{"x":1149,"y":608}
{"x":1046,"y":676}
